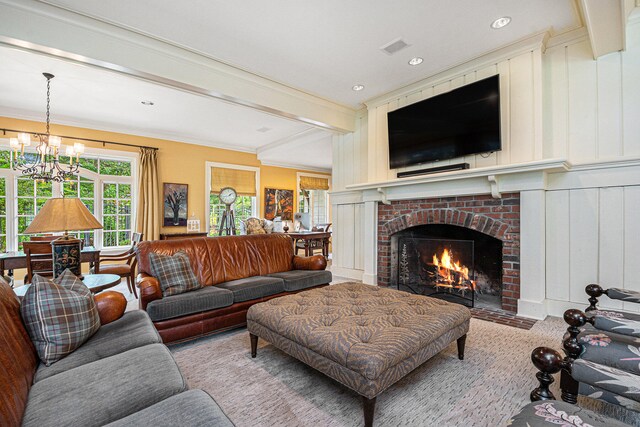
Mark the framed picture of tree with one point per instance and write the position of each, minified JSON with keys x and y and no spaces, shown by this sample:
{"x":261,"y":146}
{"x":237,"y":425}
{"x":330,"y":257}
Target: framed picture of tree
{"x":174,"y":197}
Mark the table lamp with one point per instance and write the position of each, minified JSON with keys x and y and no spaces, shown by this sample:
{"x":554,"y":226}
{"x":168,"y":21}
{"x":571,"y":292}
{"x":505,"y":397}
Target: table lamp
{"x":64,"y":214}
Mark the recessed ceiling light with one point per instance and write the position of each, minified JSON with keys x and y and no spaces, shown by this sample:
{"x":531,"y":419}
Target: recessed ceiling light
{"x":416,"y":61}
{"x":501,"y":22}
{"x":147,"y":102}
{"x":357,"y":88}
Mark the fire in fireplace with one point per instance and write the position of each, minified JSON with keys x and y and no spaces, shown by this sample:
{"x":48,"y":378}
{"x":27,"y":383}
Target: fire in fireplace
{"x":437,"y":267}
{"x":448,"y":262}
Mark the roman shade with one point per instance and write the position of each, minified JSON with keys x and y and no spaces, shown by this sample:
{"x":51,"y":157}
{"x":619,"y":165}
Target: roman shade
{"x":243,"y":181}
{"x":313,"y":183}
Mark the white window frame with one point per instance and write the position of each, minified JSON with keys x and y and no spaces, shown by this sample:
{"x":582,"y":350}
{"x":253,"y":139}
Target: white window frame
{"x":12,"y":186}
{"x":207,"y":185}
{"x":328,"y":204}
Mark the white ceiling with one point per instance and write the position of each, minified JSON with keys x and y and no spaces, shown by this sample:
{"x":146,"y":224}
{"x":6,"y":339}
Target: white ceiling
{"x":323,"y":49}
{"x":93,"y":98}
{"x":326,"y":47}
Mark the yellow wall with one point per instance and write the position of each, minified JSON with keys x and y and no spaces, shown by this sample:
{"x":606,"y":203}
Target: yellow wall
{"x":178,"y":162}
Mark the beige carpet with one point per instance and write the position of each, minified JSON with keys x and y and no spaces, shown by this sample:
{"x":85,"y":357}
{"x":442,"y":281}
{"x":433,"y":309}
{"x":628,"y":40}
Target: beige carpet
{"x":491,"y":384}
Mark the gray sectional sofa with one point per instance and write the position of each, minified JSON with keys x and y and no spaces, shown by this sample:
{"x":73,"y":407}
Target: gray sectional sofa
{"x":123,"y":375}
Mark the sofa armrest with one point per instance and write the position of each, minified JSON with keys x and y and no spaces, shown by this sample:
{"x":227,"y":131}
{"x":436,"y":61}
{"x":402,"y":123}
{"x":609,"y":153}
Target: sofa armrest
{"x":149,"y":289}
{"x":315,"y":262}
{"x":111,"y":306}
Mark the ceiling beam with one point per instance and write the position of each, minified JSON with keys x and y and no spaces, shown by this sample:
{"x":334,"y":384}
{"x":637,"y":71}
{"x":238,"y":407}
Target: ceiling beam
{"x":34,"y":26}
{"x":606,"y":23}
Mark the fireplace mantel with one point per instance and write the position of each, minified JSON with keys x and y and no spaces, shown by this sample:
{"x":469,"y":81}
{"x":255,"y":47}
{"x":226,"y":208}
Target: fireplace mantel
{"x":531,"y":180}
{"x":487,"y":180}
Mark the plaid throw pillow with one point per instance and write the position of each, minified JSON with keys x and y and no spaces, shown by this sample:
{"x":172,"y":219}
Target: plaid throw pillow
{"x":59,"y":315}
{"x":173,"y":272}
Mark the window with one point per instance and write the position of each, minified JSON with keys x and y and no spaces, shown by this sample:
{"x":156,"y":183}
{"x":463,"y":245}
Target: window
{"x":31,"y":196}
{"x":313,"y":197}
{"x":103,"y":185}
{"x":116,"y":214}
{"x":315,"y":203}
{"x":84,"y":189}
{"x":244,"y":179}
{"x":243,"y":208}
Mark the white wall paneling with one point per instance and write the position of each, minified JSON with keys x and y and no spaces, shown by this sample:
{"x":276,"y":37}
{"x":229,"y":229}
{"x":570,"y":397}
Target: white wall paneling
{"x":347,"y":240}
{"x":592,"y":237}
{"x":557,"y":245}
{"x":532,"y":248}
{"x":631,"y":243}
{"x":631,"y":92}
{"x":591,"y":107}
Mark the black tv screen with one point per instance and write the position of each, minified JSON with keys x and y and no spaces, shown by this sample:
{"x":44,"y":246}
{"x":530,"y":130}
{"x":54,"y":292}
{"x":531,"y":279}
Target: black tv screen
{"x":454,"y":124}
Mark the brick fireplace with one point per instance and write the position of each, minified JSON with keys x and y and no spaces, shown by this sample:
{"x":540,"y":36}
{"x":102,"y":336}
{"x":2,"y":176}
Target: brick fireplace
{"x":495,"y":217}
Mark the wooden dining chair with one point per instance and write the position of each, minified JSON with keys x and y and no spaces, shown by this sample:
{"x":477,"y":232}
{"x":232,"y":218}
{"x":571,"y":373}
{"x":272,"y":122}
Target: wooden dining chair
{"x":39,"y":259}
{"x":126,"y":269}
{"x":314,"y":244}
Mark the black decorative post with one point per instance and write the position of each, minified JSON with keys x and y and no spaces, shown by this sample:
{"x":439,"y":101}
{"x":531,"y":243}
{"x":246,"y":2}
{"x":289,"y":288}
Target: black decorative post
{"x":548,"y":362}
{"x":594,"y":291}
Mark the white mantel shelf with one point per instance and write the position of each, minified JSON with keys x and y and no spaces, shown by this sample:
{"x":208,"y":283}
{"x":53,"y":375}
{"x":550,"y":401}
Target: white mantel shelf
{"x":492,"y":180}
{"x":548,"y":166}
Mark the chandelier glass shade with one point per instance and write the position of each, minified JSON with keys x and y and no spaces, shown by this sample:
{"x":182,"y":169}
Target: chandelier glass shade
{"x":45,"y":164}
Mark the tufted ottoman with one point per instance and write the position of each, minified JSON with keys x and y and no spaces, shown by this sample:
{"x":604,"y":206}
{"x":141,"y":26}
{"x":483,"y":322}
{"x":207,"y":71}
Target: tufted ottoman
{"x":362,"y":336}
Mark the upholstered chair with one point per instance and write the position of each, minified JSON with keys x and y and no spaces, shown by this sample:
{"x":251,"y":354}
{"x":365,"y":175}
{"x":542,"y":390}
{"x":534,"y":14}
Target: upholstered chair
{"x":255,"y":225}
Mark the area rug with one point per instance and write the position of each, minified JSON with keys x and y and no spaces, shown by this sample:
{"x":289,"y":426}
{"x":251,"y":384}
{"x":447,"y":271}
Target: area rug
{"x":274,"y":389}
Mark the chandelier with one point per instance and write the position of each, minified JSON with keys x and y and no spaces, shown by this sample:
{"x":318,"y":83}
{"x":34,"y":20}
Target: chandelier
{"x":45,"y":164}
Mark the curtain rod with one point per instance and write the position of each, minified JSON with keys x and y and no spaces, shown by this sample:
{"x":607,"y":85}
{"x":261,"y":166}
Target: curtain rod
{"x":4,"y":132}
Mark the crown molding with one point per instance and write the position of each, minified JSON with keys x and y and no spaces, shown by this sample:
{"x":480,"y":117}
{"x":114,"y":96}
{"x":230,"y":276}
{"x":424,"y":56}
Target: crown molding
{"x":527,"y":44}
{"x":568,"y":38}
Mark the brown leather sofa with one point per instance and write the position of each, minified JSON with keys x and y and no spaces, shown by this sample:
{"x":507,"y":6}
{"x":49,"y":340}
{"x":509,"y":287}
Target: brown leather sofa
{"x":235,"y":271}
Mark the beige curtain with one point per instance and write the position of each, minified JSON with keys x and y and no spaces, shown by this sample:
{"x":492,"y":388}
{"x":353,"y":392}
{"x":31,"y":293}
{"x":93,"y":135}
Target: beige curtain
{"x":313,"y":183}
{"x":148,"y":216}
{"x":243,"y":181}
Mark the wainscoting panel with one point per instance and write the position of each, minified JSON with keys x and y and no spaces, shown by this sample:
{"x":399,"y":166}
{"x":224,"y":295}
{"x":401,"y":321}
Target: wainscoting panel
{"x":592,"y":236}
{"x":557,"y":243}
{"x":583,"y":237}
{"x":632,"y":243}
{"x":348,"y":237}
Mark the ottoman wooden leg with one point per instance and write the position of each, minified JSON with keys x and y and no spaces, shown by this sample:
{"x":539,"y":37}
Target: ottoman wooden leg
{"x":254,"y":344}
{"x":461,"y":341}
{"x":369,"y":406}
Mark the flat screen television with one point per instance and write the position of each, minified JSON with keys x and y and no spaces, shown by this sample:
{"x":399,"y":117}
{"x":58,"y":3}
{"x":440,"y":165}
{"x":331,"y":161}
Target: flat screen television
{"x":454,"y":124}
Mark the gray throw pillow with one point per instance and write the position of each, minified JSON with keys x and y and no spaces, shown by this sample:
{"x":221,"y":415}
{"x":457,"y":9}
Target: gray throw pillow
{"x":59,"y":315}
{"x":173,"y":272}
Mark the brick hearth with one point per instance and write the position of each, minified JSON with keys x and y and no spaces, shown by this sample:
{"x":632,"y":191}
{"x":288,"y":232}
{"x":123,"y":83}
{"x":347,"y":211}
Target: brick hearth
{"x":499,"y":218}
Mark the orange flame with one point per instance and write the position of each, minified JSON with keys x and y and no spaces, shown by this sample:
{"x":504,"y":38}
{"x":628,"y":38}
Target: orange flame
{"x":447,"y":266}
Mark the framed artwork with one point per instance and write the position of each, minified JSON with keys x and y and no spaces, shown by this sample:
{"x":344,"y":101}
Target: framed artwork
{"x":174,"y":198}
{"x":278,"y":203}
